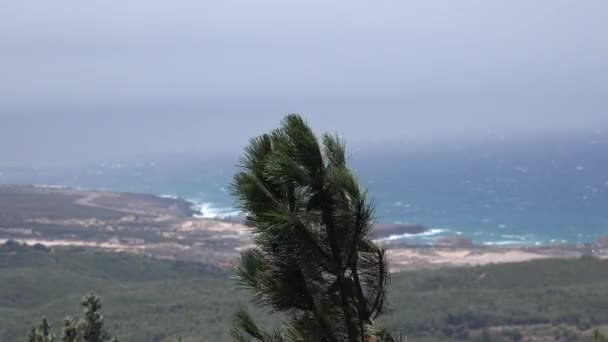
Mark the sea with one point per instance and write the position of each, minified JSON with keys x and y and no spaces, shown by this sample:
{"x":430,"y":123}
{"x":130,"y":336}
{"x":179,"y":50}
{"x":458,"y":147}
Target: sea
{"x":532,"y":192}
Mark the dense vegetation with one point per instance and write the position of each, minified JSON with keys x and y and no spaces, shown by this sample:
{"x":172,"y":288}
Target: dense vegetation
{"x":314,"y":260}
{"x":153,"y":300}
{"x":541,"y":295}
{"x":144,"y":299}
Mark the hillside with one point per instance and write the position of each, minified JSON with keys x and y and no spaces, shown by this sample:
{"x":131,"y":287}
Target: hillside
{"x":152,"y":300}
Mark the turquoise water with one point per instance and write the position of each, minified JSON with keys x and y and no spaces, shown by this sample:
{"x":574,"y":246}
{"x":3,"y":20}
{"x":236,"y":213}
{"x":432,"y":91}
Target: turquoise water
{"x":540,"y":192}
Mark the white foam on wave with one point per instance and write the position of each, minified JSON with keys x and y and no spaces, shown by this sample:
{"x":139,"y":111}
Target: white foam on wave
{"x":519,"y":237}
{"x":50,"y":186}
{"x":206,"y":210}
{"x":211,"y":211}
{"x":169,"y":196}
{"x":523,"y":242}
{"x":428,"y":233}
{"x":504,"y":243}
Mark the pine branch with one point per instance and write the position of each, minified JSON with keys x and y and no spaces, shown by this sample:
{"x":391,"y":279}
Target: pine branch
{"x":313,"y":258}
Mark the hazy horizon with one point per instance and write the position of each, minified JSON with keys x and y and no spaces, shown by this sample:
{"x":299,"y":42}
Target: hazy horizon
{"x":96,"y":81}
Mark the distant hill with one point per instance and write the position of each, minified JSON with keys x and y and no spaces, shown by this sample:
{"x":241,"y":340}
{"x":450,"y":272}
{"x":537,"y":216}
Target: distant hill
{"x":152,"y":300}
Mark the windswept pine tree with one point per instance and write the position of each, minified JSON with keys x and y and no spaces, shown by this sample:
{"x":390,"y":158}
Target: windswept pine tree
{"x":90,"y":328}
{"x":314,"y":260}
{"x":42,"y":333}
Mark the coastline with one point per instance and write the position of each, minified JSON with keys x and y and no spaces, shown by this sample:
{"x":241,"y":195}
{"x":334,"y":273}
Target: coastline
{"x":168,"y":228}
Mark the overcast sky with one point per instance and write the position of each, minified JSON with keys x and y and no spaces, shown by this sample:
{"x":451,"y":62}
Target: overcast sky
{"x":98,"y":79}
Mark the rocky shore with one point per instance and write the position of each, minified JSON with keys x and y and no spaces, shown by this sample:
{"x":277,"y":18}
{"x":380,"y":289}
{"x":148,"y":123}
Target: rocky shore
{"x":166,"y":228}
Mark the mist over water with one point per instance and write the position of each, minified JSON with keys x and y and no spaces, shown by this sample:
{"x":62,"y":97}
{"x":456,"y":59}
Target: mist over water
{"x":98,"y":80}
{"x":534,"y":192}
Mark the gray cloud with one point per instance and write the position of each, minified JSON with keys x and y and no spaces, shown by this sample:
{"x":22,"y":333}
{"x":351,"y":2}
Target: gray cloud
{"x":101,"y":79}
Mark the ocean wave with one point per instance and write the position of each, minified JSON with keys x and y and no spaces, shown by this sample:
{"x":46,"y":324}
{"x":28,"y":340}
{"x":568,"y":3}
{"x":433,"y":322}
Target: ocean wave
{"x":50,"y":186}
{"x":426,"y":234}
{"x":204,"y":209}
{"x":519,"y":237}
{"x":211,"y":211}
{"x":169,"y":196}
{"x":508,"y":243}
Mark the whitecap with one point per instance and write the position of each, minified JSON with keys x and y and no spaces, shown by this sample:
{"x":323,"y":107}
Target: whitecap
{"x":169,"y":196}
{"x":520,"y":237}
{"x":503,"y":243}
{"x":50,"y":186}
{"x":428,"y":233}
{"x":211,"y":211}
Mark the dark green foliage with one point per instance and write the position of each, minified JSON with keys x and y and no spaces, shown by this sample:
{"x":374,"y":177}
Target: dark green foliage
{"x":314,"y":260}
{"x":151,"y":300}
{"x":144,"y":299}
{"x":599,"y":336}
{"x":42,"y":333}
{"x":484,"y":337}
{"x":513,"y":335}
{"x":90,"y":328}
{"x":448,"y":302}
